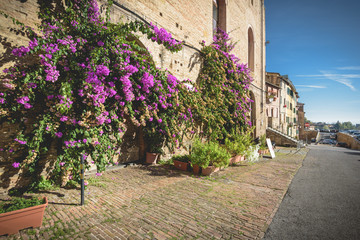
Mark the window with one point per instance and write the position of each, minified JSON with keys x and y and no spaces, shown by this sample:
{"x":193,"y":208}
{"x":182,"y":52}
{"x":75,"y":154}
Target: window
{"x":251,"y":49}
{"x":252,"y":2}
{"x":287,"y":119}
{"x":294,"y":120}
{"x":219,"y":15}
{"x":291,"y":106}
{"x":215,"y":15}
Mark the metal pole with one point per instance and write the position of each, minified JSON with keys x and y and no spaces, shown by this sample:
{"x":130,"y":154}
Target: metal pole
{"x":82,"y":181}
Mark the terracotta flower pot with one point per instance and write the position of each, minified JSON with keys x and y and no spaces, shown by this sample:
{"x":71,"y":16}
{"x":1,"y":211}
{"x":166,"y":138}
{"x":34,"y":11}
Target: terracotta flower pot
{"x":196,"y":169}
{"x":209,"y":170}
{"x":151,"y":158}
{"x":181,"y":165}
{"x":12,"y":222}
{"x":235,"y":159}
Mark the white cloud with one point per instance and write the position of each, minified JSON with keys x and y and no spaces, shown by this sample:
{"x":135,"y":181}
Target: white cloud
{"x":340,"y":78}
{"x":310,"y":86}
{"x":349,"y":68}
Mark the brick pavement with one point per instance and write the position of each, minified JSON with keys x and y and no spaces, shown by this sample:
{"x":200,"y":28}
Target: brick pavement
{"x":159,"y":202}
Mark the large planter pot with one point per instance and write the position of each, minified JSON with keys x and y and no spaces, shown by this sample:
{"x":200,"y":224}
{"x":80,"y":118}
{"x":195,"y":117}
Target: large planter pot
{"x":181,"y":165}
{"x":209,"y":170}
{"x":262,"y":152}
{"x":235,"y":159}
{"x":196,"y":169}
{"x":12,"y":222}
{"x":151,"y":158}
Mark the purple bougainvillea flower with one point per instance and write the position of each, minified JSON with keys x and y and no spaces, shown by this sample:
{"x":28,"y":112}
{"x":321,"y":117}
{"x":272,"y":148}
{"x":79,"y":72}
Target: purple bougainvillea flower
{"x":159,"y":120}
{"x":62,"y":163}
{"x":100,"y":43}
{"x":16,"y":165}
{"x":28,"y":105}
{"x":63,"y":118}
{"x":98,"y":174}
{"x":59,"y":134}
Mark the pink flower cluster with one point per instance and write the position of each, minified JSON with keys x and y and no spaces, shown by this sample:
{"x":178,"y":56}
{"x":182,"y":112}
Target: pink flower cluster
{"x":164,"y":37}
{"x":24,"y":101}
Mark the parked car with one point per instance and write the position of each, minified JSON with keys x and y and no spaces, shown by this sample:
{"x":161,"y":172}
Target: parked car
{"x":327,"y":141}
{"x":342,"y":144}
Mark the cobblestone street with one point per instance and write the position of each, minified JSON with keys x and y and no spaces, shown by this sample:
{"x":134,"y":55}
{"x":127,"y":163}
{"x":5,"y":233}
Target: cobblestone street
{"x":159,"y":202}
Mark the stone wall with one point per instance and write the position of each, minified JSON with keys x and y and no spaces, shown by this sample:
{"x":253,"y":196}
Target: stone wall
{"x":349,"y":140}
{"x":281,"y":139}
{"x":310,"y":134}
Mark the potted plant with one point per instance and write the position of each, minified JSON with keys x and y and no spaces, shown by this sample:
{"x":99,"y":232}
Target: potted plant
{"x":237,"y":146}
{"x":181,"y":162}
{"x":263,"y":145}
{"x":209,"y":157}
{"x":154,"y":142}
{"x":20,"y":213}
{"x":270,"y":97}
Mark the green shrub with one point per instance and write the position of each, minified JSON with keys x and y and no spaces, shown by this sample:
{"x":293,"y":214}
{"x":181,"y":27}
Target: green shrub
{"x":181,"y":158}
{"x":20,"y":203}
{"x":209,"y":154}
{"x":263,"y":144}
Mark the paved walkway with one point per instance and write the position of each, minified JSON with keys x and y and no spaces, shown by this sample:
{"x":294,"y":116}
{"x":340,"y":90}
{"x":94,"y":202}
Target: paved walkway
{"x":159,"y":202}
{"x":322,"y":201}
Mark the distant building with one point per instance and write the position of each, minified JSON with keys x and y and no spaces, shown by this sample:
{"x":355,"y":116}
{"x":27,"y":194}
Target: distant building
{"x":272,"y":87}
{"x":301,"y":120}
{"x":288,"y":103}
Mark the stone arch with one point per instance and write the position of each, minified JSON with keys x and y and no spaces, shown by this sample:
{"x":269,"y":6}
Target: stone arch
{"x":251,"y":50}
{"x":253,"y":111}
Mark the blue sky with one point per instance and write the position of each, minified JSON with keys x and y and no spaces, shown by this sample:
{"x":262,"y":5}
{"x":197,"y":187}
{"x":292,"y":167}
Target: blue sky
{"x":317,"y":43}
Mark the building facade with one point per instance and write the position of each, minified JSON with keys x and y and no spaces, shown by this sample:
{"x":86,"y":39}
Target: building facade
{"x":301,"y":120}
{"x":194,"y":22}
{"x":290,"y":102}
{"x":273,"y":100}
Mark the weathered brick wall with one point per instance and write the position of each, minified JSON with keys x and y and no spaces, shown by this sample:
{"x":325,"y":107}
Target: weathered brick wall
{"x":189,"y":21}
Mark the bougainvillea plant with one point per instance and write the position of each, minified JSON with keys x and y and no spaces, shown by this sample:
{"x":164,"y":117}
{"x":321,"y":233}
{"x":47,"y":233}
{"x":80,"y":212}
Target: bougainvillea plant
{"x":90,"y":79}
{"x":224,"y":83}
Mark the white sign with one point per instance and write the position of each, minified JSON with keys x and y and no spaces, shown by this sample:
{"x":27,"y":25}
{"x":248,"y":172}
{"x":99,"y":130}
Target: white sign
{"x":269,"y":144}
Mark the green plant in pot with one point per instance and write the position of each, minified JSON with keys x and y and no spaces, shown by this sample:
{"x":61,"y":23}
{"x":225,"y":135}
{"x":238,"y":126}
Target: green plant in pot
{"x":20,"y":213}
{"x":263,"y":145}
{"x":210,"y":156}
{"x":236,"y":148}
{"x":181,"y":161}
{"x":154,"y":142}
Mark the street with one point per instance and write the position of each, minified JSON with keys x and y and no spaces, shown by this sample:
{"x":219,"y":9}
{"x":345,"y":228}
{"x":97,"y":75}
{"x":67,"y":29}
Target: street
{"x":323,"y":200}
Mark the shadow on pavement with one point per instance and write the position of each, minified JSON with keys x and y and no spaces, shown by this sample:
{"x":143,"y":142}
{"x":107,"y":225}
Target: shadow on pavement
{"x":353,"y":153}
